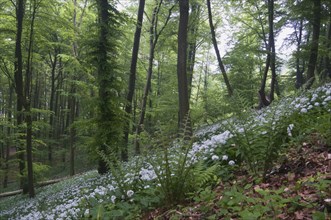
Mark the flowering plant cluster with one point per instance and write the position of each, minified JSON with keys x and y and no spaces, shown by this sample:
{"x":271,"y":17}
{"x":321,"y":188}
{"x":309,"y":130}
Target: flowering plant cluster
{"x":77,"y":197}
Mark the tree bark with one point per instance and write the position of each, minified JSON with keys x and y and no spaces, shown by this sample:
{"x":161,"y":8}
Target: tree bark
{"x":270,"y":62}
{"x":8,"y":139}
{"x":272,"y":49}
{"x":106,"y":134}
{"x":219,"y":59}
{"x":147,"y":88}
{"x":51,"y":102}
{"x":72,"y":130}
{"x":299,"y":71}
{"x":312,"y":63}
{"x":27,"y":104}
{"x":103,"y":96}
{"x":192,"y":44}
{"x":154,"y":36}
{"x":184,"y":104}
{"x":327,"y":60}
{"x":18,"y":74}
{"x":132,"y":78}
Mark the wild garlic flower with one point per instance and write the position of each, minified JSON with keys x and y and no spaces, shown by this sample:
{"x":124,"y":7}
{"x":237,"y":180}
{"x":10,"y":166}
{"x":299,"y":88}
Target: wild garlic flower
{"x":129,"y":193}
{"x":289,"y":130}
{"x":231,"y":163}
{"x":113,"y":198}
{"x":215,"y":157}
{"x":303,"y":110}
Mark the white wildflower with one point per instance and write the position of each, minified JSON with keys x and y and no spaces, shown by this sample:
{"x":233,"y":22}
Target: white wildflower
{"x":303,"y":110}
{"x":231,"y":163}
{"x":215,"y":157}
{"x":129,"y":193}
{"x":113,"y":198}
{"x":289,"y":130}
{"x":241,"y":130}
{"x":225,"y":157}
{"x":327,"y":99}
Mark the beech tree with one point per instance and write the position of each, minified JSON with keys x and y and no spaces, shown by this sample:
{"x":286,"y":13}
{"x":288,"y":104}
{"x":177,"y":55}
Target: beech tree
{"x":154,"y":35}
{"x":132,"y":77}
{"x":218,"y":55}
{"x":18,"y":74}
{"x":109,"y":118}
{"x":316,"y":23}
{"x":184,"y":105}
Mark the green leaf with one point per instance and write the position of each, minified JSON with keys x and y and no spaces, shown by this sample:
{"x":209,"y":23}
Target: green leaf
{"x":248,"y":186}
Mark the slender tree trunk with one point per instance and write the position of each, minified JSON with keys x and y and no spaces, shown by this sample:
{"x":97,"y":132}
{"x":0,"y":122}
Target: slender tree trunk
{"x":139,"y":128}
{"x":132,"y":78}
{"x":27,"y":104}
{"x":272,"y":49}
{"x":270,"y":61}
{"x":154,"y":36}
{"x":8,"y":139}
{"x":219,"y":59}
{"x":299,"y":71}
{"x":18,"y":74}
{"x":327,"y":60}
{"x":184,"y":104}
{"x":205,"y":89}
{"x":73,"y":103}
{"x":192,"y":44}
{"x":29,"y":149}
{"x":312,"y":63}
{"x":72,"y":130}
{"x":51,"y":104}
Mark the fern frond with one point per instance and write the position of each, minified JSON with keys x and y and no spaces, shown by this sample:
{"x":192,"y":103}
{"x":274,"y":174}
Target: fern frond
{"x":203,"y":175}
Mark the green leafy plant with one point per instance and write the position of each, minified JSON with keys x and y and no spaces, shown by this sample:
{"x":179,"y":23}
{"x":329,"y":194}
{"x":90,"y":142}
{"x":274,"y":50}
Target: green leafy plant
{"x":177,"y":173}
{"x":259,"y":144}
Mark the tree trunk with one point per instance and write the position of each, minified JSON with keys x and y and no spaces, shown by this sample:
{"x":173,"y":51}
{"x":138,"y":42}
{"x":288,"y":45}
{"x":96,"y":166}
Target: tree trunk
{"x":316,"y":22}
{"x":272,"y":49}
{"x":270,"y":62}
{"x":148,"y":78}
{"x":109,"y":123}
{"x":132,"y":78}
{"x":299,"y":71}
{"x":29,"y":149}
{"x":8,"y":139}
{"x":72,"y":130}
{"x":51,"y":103}
{"x":27,"y":105}
{"x":327,"y":60}
{"x":192,"y":44}
{"x":154,"y":36}
{"x":184,"y":105}
{"x":18,"y":74}
{"x":219,"y":59}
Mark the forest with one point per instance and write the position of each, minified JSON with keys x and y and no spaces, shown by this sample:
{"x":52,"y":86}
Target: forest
{"x":165,"y":109}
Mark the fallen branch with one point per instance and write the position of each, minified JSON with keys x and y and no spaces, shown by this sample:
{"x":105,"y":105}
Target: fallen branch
{"x":40,"y":184}
{"x":12,"y":193}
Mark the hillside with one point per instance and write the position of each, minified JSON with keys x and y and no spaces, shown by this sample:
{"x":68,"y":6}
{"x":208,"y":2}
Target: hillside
{"x":271,"y":163}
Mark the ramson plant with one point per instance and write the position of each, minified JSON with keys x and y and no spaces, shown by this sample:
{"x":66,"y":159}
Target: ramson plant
{"x":149,"y":179}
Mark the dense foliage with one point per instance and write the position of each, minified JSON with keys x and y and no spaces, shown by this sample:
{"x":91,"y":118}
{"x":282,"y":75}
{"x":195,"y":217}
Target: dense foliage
{"x":150,"y":181}
{"x":84,"y":84}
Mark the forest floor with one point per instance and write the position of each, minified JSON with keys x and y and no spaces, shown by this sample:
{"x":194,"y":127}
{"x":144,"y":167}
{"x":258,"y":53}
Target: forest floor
{"x":299,"y":183}
{"x":296,"y":186}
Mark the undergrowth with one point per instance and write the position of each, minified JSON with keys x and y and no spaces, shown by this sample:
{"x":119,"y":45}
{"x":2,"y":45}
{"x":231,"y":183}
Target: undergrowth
{"x":241,"y":168}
